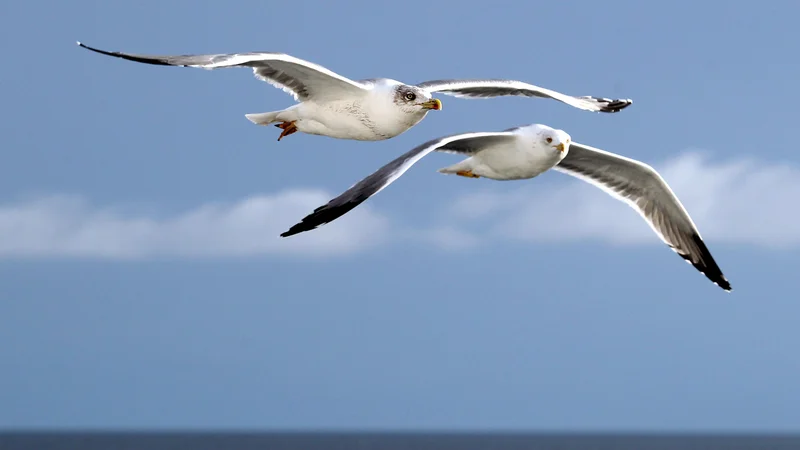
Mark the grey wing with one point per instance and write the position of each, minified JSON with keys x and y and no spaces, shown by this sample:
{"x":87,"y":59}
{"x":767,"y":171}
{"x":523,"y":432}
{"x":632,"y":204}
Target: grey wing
{"x":467,"y":143}
{"x":301,"y":79}
{"x":498,"y":88}
{"x":641,"y":187}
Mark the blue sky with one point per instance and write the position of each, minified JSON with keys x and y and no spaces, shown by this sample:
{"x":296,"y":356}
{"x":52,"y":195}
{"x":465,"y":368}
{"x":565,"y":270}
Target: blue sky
{"x":143,"y":283}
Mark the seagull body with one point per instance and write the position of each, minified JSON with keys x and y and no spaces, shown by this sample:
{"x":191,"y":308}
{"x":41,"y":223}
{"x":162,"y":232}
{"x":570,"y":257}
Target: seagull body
{"x":526,"y":152}
{"x":370,"y":115}
{"x":367,"y":110}
{"x":513,"y":158}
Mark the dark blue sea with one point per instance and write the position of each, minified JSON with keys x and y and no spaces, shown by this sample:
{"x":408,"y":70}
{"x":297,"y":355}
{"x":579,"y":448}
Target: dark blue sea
{"x":388,"y":441}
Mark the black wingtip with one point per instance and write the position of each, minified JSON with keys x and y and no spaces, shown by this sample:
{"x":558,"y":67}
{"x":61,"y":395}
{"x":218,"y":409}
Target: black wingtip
{"x":301,"y":227}
{"x":291,"y":232}
{"x":613,"y":106}
{"x":141,"y":59}
{"x":707,"y":266}
{"x":309,"y":223}
{"x":724,"y":284}
{"x":96,"y":50}
{"x":608,"y":105}
{"x":92,"y":49}
{"x":322,"y":215}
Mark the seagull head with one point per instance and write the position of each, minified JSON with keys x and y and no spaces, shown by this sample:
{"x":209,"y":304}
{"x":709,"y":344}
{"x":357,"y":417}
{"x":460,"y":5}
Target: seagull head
{"x":559,"y":140}
{"x":550,"y":138}
{"x":415,"y":100}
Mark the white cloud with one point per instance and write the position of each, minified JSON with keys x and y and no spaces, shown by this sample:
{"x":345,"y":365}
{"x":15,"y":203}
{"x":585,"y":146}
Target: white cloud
{"x":67,"y":226}
{"x":741,"y":201}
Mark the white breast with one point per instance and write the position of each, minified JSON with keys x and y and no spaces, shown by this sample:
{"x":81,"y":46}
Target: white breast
{"x":386,"y":117}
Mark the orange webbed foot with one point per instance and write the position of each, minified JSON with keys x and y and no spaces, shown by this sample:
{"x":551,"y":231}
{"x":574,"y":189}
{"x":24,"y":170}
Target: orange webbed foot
{"x":288,"y":128}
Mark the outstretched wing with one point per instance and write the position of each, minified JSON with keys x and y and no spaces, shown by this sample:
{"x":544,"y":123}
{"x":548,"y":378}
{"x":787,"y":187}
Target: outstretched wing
{"x":498,"y":88}
{"x":641,"y":187}
{"x":301,"y":79}
{"x":467,"y":144}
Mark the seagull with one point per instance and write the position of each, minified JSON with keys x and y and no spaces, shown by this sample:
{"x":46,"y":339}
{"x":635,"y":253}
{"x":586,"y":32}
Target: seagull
{"x":528,"y":151}
{"x":366,"y":110}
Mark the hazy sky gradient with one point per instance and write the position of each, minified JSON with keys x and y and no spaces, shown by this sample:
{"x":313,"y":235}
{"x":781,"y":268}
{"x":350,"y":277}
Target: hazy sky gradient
{"x":143,"y":283}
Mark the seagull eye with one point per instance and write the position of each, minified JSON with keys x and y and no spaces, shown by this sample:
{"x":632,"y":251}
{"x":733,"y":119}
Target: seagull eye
{"x":411,"y":96}
{"x":549,"y":140}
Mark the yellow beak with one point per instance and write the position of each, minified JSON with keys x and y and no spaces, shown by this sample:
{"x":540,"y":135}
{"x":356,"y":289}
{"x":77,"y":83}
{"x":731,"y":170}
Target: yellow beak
{"x":561,"y":147}
{"x":433,"y":104}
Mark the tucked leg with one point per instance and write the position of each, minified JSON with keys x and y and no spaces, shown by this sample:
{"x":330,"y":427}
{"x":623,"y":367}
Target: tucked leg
{"x":288,"y":128}
{"x":467,"y":173}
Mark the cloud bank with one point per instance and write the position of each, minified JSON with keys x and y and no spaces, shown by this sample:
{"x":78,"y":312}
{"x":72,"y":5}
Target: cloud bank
{"x":68,"y":226}
{"x":739,"y":201}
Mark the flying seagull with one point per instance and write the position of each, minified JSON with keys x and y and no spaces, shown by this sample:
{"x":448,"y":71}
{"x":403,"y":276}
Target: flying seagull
{"x":525,"y":152}
{"x":366,"y":110}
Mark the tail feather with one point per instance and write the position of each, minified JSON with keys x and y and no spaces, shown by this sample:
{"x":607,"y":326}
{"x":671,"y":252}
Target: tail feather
{"x":263,"y":118}
{"x":457,"y":167}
